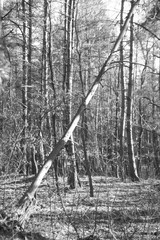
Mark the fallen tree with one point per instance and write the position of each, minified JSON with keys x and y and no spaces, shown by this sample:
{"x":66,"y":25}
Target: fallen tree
{"x":27,"y":202}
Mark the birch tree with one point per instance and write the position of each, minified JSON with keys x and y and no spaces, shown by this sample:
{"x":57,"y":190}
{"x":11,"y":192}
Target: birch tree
{"x":131,"y":156}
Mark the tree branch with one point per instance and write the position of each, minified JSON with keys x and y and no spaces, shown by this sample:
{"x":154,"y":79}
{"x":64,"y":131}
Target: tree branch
{"x":140,"y":25}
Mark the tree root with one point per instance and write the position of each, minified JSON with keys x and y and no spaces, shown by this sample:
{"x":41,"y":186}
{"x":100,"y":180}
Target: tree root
{"x":14,"y":225}
{"x":21,"y":214}
{"x":25,"y":209}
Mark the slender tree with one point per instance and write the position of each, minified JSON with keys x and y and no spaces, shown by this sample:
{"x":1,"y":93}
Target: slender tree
{"x":24,"y":90}
{"x":4,"y":69}
{"x":155,"y":139}
{"x":31,"y":148}
{"x":131,"y":157}
{"x":123,"y":102}
{"x":52,"y":116}
{"x":43,"y":90}
{"x":1,"y":67}
{"x":69,"y":29}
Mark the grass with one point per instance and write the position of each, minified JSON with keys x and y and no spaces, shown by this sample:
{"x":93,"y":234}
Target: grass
{"x":119,"y":210}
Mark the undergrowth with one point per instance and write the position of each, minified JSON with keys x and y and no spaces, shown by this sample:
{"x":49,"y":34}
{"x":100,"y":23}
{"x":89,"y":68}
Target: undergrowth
{"x":117,"y":211}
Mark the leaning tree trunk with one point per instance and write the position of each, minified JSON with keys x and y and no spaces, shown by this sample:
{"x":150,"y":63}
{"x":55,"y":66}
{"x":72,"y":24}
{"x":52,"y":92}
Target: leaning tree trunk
{"x":24,"y":206}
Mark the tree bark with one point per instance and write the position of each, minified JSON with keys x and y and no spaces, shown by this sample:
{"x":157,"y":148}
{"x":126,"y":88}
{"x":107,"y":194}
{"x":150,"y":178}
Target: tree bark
{"x":31,"y":149}
{"x":52,"y":116}
{"x":140,"y":118}
{"x":121,"y":164}
{"x":84,"y":128}
{"x":69,"y":9}
{"x":131,"y":157}
{"x":43,"y":84}
{"x":4,"y":63}
{"x":156,"y":153}
{"x":29,"y":94}
{"x":24,"y":91}
{"x":25,"y":202}
{"x":84,"y":142}
{"x":4,"y":75}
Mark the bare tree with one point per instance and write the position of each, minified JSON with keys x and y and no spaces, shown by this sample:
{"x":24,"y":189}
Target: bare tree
{"x":69,"y":29}
{"x":4,"y":69}
{"x":131,"y":157}
{"x":123,"y":102}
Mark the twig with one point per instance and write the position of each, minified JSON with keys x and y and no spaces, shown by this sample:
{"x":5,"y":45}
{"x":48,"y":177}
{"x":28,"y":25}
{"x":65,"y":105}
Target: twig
{"x":113,"y":235}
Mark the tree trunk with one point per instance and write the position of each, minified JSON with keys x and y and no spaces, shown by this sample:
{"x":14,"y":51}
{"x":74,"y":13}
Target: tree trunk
{"x":121,"y":172}
{"x":140,"y":133}
{"x":69,"y":8}
{"x":4,"y":75}
{"x":24,"y":91}
{"x":43,"y":85}
{"x":115,"y":165}
{"x":1,"y":69}
{"x":84,"y":129}
{"x":84,"y":142}
{"x":52,"y":116}
{"x":1,"y":52}
{"x":131,"y":157}
{"x":4,"y":63}
{"x":29,"y":92}
{"x":25,"y":204}
{"x":140,"y":126}
{"x":31,"y":150}
{"x":156,"y":153}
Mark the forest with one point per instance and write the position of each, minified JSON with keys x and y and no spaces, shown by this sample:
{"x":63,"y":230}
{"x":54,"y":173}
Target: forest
{"x":79,"y":119}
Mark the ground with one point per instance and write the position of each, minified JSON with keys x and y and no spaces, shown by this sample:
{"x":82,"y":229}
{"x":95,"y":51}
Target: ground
{"x":118,"y":210}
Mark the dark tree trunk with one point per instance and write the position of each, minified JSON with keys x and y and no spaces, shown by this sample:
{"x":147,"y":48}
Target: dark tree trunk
{"x":84,"y":134}
{"x":156,"y":153}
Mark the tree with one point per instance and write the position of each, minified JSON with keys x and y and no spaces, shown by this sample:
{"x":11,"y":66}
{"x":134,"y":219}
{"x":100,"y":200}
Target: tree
{"x":123,"y":102}
{"x":31,"y":148}
{"x":4,"y":73}
{"x":69,"y":29}
{"x":131,"y":157}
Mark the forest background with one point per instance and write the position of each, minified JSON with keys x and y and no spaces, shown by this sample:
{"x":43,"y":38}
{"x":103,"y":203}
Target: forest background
{"x":52,"y":54}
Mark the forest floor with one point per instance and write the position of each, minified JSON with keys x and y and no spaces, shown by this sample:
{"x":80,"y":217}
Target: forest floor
{"x":118,"y":210}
